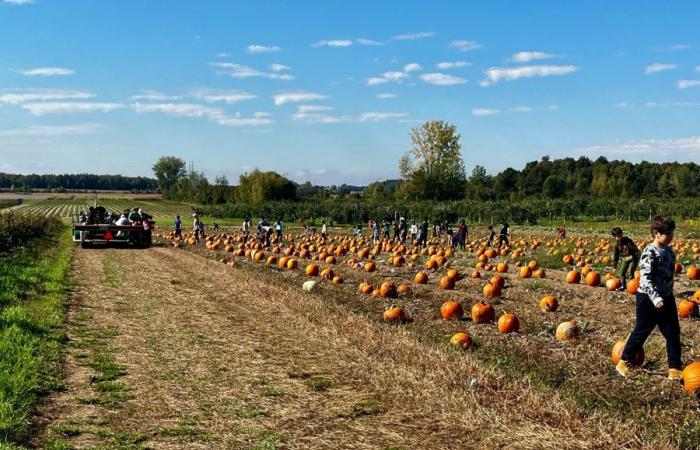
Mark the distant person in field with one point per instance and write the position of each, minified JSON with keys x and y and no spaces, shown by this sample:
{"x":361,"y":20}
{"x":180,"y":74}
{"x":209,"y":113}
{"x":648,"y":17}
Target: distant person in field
{"x":178,"y":226}
{"x":463,"y":232}
{"x":358,"y":231}
{"x":449,"y":233}
{"x":324,"y":230}
{"x":491,"y":235}
{"x":197,"y":225}
{"x":414,"y":232}
{"x":656,"y":305}
{"x":376,"y":236}
{"x":216,"y":226}
{"x":134,"y":215}
{"x":202,"y":229}
{"x":626,"y":249}
{"x":245,"y":227}
{"x":503,"y":235}
{"x":396,"y":230}
{"x":561,"y":233}
{"x":279,"y":226}
{"x":403,"y":230}
{"x":423,"y":231}
{"x":387,"y":228}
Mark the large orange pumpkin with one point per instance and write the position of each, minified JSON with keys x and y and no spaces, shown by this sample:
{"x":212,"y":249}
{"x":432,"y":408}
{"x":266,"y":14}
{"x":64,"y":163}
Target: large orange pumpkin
{"x":691,"y":377}
{"x":292,"y":264}
{"x":461,"y":340}
{"x":498,"y":280}
{"x":454,"y":274}
{"x":451,"y":310}
{"x":508,"y":323}
{"x":394,"y":314}
{"x":370,"y":267}
{"x":613,"y":284}
{"x":633,"y":285}
{"x":568,"y":259}
{"x":365,"y":288}
{"x":693,"y":273}
{"x":593,"y":278}
{"x":387,"y":290}
{"x":502,"y":267}
{"x":617,"y":350}
{"x":403,"y":289}
{"x":573,"y":277}
{"x":483,"y":313}
{"x":312,"y":270}
{"x":492,"y":291}
{"x":549,"y":303}
{"x":327,"y":273}
{"x":687,"y":308}
{"x":525,"y":272}
{"x":421,"y":278}
{"x":447,"y":282}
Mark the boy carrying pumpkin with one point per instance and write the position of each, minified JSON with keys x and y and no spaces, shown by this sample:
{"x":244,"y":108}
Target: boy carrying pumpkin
{"x":656,"y":305}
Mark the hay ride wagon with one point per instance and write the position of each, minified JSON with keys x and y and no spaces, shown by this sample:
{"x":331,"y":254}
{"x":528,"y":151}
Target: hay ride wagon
{"x":100,"y":230}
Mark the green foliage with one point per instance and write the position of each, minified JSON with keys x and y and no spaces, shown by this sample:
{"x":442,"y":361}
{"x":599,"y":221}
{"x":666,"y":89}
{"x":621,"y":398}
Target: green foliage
{"x":169,"y":170}
{"x":258,"y":187}
{"x":16,"y":230}
{"x":33,"y":301}
{"x":78,"y":181}
{"x":433,"y":169}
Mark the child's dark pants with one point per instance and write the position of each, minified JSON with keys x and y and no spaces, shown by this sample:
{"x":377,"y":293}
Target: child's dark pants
{"x":649,"y":317}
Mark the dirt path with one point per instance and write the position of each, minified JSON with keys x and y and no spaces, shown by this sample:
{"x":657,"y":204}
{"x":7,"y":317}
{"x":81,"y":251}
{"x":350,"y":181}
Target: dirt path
{"x":172,"y":350}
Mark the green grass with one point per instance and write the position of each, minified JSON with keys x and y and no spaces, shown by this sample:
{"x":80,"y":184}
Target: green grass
{"x":32,"y":334}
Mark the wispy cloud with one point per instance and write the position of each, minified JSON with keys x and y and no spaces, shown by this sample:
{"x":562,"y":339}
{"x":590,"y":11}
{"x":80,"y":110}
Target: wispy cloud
{"x":441,"y":79}
{"x":520,"y":109}
{"x":25,"y":96}
{"x":317,"y":114}
{"x":314,"y":108}
{"x":242,"y":71}
{"x":381,"y":116}
{"x":53,"y":130}
{"x":496,"y":74}
{"x":223,"y":55}
{"x":254,"y":49}
{"x":297,"y":97}
{"x":214,"y":114}
{"x":412,"y":67}
{"x":465,"y":46}
{"x":229,"y":97}
{"x":393,"y":76}
{"x":654,"y":148}
{"x":413,"y":36}
{"x":658,"y":67}
{"x":47,"y":71}
{"x":685,"y":84}
{"x":656,"y":105}
{"x":279,"y":67}
{"x":485,"y":111}
{"x":523,"y":57}
{"x":153,"y":96}
{"x":386,"y":95}
{"x":364,"y":41}
{"x":18,"y":2}
{"x":333,"y":43}
{"x":452,"y":64}
{"x":674,"y":47}
{"x":43,"y":108}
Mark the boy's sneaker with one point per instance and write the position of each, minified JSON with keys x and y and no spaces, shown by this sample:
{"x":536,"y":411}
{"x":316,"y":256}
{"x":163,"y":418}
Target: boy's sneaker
{"x":674,"y":374}
{"x":623,"y":368}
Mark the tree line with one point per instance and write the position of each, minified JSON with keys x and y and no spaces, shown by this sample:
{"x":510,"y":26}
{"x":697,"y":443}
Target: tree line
{"x":78,"y":181}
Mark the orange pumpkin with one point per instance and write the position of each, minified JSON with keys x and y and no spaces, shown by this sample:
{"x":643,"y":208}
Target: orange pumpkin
{"x":461,"y":340}
{"x":453,"y":273}
{"x":421,"y":278}
{"x":447,"y":282}
{"x":312,"y":270}
{"x":502,"y":267}
{"x":687,"y":309}
{"x":539,"y":273}
{"x":633,"y":285}
{"x":568,"y":259}
{"x":691,"y":377}
{"x":617,"y":350}
{"x":327,"y":273}
{"x":337,"y":279}
{"x":549,"y":303}
{"x":370,"y":267}
{"x":271,"y":261}
{"x":508,"y":323}
{"x":387,"y":290}
{"x":394,"y":314}
{"x":593,"y":278}
{"x":403,"y":289}
{"x":476,"y":274}
{"x":483,"y":313}
{"x":492,"y":291}
{"x":533,"y":265}
{"x":693,"y":273}
{"x":451,"y":310}
{"x":292,"y":264}
{"x":573,"y":277}
{"x":498,"y":280}
{"x":525,"y":272}
{"x":613,"y":284}
{"x":365,"y":288}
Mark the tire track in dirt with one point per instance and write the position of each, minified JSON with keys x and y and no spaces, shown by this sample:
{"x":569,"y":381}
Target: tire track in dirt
{"x":221,"y":358}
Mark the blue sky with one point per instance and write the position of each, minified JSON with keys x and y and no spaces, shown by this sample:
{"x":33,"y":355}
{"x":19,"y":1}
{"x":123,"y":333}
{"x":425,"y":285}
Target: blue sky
{"x":328,"y":91}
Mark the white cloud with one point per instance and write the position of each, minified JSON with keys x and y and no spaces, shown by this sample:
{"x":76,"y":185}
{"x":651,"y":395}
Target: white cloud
{"x":255,"y":49}
{"x":279,"y":67}
{"x":412,"y":67}
{"x":656,"y":104}
{"x":485,"y":111}
{"x":208,"y":112}
{"x":441,"y":79}
{"x":652,"y":148}
{"x":363,"y":41}
{"x":241,"y":71}
{"x":229,"y":97}
{"x":523,"y":57}
{"x":153,"y":96}
{"x":496,"y":74}
{"x":465,"y":46}
{"x":381,"y":116}
{"x":223,"y":55}
{"x":18,"y":2}
{"x":520,"y":109}
{"x":313,"y":108}
{"x":53,"y":130}
{"x":333,"y":43}
{"x":658,"y":67}
{"x":413,"y":36}
{"x":42,"y":108}
{"x":685,"y":84}
{"x":296,"y":97}
{"x":623,"y":105}
{"x":387,"y":77}
{"x":697,"y":68}
{"x":386,"y":95}
{"x":452,"y":64}
{"x":47,"y":71}
{"x":25,"y":96}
